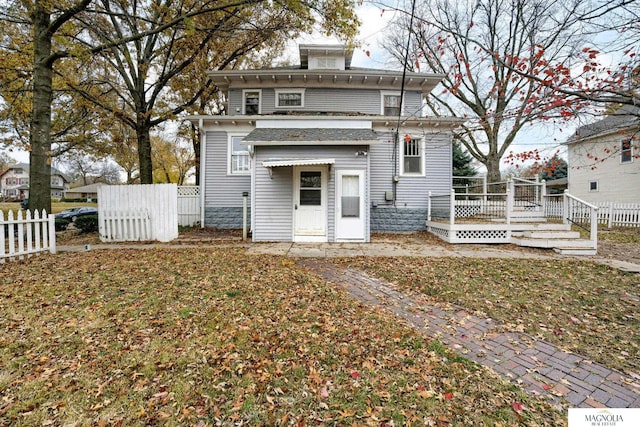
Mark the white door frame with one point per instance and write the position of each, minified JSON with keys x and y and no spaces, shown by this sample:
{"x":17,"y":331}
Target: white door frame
{"x":321,"y":233}
{"x":350,"y":229}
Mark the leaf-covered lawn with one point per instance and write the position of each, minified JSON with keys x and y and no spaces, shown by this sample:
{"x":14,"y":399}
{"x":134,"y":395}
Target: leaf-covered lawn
{"x":205,"y":337}
{"x":585,"y":307}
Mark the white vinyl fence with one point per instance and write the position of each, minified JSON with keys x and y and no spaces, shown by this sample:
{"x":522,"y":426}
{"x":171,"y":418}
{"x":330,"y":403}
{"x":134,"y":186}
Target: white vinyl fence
{"x":619,"y":214}
{"x":138,"y":212}
{"x":188,"y":205}
{"x":26,"y":235}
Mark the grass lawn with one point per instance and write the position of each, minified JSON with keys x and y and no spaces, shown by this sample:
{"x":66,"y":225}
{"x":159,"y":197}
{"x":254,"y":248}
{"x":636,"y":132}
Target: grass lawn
{"x":56,"y":207}
{"x":587,"y":308}
{"x":201,"y":336}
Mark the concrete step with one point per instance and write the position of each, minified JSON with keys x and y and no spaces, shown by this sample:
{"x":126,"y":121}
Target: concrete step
{"x":552,"y":243}
{"x":576,"y":251}
{"x":551,"y":234}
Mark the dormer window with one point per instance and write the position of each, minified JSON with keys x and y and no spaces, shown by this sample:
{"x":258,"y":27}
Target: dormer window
{"x":251,"y":102}
{"x":288,"y":98}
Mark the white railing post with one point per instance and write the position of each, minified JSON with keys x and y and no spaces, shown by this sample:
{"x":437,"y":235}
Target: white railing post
{"x":20,"y":225}
{"x":484,"y":189}
{"x":565,"y":207}
{"x":543,"y":198}
{"x":429,"y":207}
{"x":610,"y":216}
{"x":594,"y":225}
{"x":52,"y":232}
{"x":509,"y":206}
{"x":452,"y":207}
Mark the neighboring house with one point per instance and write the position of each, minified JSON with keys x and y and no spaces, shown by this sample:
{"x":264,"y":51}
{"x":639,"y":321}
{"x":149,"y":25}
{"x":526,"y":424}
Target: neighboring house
{"x":604,"y":159}
{"x":86,"y":192}
{"x":14,"y":182}
{"x":316,"y":149}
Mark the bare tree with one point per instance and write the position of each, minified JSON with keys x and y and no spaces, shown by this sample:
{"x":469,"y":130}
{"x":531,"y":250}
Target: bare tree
{"x":481,"y":48}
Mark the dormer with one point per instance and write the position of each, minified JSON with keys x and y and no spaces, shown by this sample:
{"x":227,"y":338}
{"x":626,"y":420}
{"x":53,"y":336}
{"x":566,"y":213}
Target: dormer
{"x":325,"y":57}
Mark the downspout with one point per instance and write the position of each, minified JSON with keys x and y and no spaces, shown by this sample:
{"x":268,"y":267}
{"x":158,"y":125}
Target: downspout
{"x":396,"y":142}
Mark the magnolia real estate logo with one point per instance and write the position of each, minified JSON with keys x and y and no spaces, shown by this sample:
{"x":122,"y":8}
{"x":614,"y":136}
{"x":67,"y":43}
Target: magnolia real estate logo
{"x":604,"y":417}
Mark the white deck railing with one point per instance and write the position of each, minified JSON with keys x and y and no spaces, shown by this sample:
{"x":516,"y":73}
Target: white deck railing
{"x":582,"y":214}
{"x":26,"y":235}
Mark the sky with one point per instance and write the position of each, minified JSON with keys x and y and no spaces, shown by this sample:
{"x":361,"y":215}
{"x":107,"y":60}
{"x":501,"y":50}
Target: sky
{"x":371,"y":39}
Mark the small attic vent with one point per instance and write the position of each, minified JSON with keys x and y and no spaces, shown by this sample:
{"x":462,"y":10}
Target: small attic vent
{"x":326,"y":63}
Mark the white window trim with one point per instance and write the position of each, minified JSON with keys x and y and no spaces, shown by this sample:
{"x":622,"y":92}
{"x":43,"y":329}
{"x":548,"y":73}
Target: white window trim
{"x":292,"y":90}
{"x":422,"y":157}
{"x":597,"y":186}
{"x":624,"y":162}
{"x":230,"y":171}
{"x":390,"y":93}
{"x":244,"y":104}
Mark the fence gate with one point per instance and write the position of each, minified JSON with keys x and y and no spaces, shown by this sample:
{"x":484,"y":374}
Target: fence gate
{"x":188,"y":205}
{"x":138,"y":212}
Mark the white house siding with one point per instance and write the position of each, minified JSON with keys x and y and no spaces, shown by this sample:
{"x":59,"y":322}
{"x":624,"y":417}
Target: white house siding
{"x":273,"y":195}
{"x":330,"y":100}
{"x":410,"y":210}
{"x":222,"y":192}
{"x":617,"y":182}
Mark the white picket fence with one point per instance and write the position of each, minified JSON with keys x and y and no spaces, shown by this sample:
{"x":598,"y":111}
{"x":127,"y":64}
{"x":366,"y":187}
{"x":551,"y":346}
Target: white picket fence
{"x":619,"y":214}
{"x":26,"y":235}
{"x":125,"y":226}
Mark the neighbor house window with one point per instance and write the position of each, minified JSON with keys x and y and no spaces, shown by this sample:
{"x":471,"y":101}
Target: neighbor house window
{"x":626,"y":153}
{"x":290,"y":98}
{"x":412,"y":156}
{"x":391,"y":104}
{"x":593,"y":185}
{"x":251,"y":101}
{"x":239,"y":163}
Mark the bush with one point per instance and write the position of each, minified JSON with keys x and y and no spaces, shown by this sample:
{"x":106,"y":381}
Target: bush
{"x":87,"y":224}
{"x":61,"y":224}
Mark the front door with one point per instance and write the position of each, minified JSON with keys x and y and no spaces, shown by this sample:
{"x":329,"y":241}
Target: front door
{"x":310,"y":204}
{"x":350,"y":218}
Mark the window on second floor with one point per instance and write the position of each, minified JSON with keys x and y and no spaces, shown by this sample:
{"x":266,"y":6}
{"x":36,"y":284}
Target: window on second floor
{"x":391,"y":104}
{"x":239,"y":162}
{"x":287,"y":98}
{"x":412,"y":156}
{"x":626,"y":152}
{"x":251,"y":101}
{"x":593,"y":186}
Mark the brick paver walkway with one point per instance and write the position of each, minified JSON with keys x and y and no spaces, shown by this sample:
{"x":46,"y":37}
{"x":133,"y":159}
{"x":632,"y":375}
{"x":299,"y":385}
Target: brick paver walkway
{"x":539,"y":367}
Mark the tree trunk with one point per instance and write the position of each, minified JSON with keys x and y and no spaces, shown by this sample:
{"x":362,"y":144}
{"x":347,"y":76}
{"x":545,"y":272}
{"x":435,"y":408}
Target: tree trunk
{"x":493,"y":167}
{"x":144,"y":151}
{"x":40,"y":134}
{"x":195,"y":141}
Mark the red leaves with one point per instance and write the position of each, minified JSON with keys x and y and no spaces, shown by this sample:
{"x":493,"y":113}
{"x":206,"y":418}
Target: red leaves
{"x":448,"y":395}
{"x":517,"y":406}
{"x":354,"y":375}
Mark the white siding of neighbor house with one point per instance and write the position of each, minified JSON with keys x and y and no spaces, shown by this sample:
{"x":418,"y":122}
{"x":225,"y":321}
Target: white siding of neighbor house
{"x":369,"y":101}
{"x":617,"y":182}
{"x":273,"y":198}
{"x":221,"y":190}
{"x":412,"y":191}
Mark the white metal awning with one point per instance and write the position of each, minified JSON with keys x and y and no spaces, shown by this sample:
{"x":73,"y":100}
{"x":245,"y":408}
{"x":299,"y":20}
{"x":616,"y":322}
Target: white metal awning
{"x":276,"y":163}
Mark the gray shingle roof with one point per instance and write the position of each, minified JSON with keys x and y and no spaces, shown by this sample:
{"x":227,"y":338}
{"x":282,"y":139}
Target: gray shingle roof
{"x":623,"y":118}
{"x":315,"y":135}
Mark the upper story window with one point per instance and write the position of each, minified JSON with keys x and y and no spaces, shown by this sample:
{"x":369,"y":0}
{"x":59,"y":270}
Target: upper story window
{"x":626,"y":152}
{"x":287,"y":98}
{"x":391,"y":104}
{"x":251,"y":101}
{"x":412,"y":156}
{"x":17,"y":171}
{"x":239,"y":163}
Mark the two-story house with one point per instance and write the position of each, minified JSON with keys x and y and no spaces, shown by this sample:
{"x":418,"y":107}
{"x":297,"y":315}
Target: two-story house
{"x":14,"y":182}
{"x":604,"y":159}
{"x":326,"y":152}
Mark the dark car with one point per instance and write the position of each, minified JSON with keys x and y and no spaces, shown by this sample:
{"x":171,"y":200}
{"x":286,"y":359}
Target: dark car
{"x":24,"y":204}
{"x":72,"y":213}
